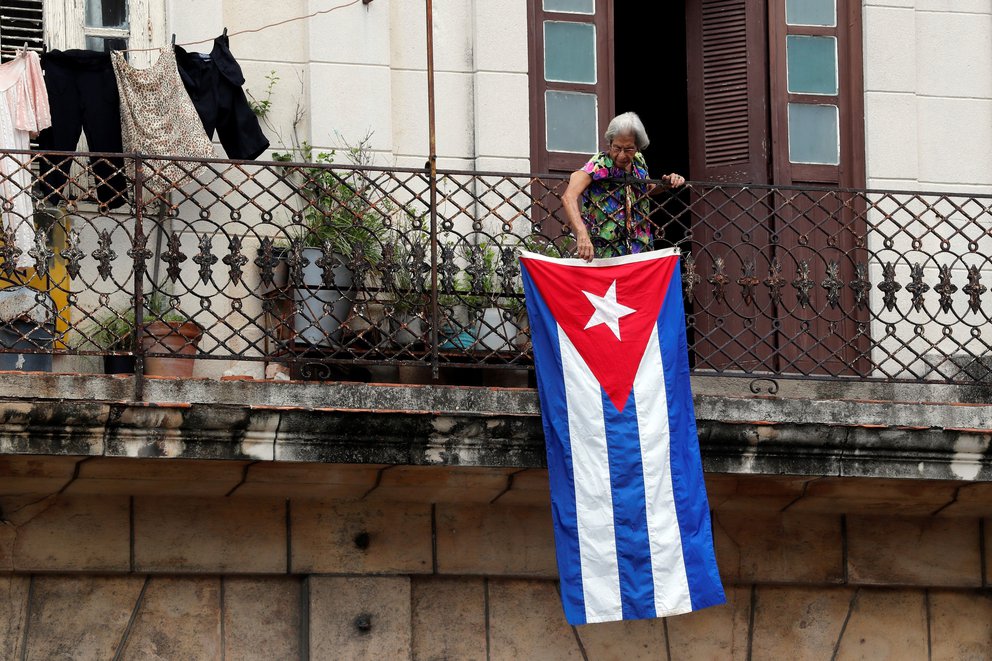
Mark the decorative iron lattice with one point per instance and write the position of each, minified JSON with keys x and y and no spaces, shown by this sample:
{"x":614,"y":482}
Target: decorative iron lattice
{"x":337,"y":264}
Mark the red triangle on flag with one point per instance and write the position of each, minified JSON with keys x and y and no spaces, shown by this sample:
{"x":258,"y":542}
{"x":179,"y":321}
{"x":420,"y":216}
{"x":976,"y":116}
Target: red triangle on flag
{"x":593,"y":301}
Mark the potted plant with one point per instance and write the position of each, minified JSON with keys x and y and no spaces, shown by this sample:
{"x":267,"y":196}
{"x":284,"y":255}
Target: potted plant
{"x":344,"y":218}
{"x":410,"y":299}
{"x":166,"y":330}
{"x":494,"y":309}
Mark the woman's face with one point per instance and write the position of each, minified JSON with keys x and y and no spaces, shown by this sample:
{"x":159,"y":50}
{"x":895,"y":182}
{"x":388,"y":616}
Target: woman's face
{"x":622,"y":151}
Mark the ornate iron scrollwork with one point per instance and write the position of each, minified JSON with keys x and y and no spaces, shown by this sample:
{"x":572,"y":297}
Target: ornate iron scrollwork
{"x":719,"y":280}
{"x":945,"y":288}
{"x":72,"y":254}
{"x":691,"y":277}
{"x":388,"y":267}
{"x":477,"y":270}
{"x":748,"y":281}
{"x":266,"y":262}
{"x":803,"y":284}
{"x":174,"y":257}
{"x":833,"y":284}
{"x":860,"y":285}
{"x":775,"y":281}
{"x":41,"y":254}
{"x":359,"y":263}
{"x":140,"y":253}
{"x":235,"y":260}
{"x":104,"y":254}
{"x":889,"y":286}
{"x":296,"y":262}
{"x":917,"y":287}
{"x":974,"y":289}
{"x":205,"y":259}
{"x":448,"y":268}
{"x":326,"y":263}
{"x":508,"y":268}
{"x":770,"y":389}
{"x":9,"y":252}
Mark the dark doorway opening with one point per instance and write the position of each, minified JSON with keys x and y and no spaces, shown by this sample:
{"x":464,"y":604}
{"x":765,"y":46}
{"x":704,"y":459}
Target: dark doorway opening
{"x":650,"y":78}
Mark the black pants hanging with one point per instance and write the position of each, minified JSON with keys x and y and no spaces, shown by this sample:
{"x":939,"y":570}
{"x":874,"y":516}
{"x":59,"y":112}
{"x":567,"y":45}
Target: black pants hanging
{"x":214,"y":82}
{"x":82,"y":93}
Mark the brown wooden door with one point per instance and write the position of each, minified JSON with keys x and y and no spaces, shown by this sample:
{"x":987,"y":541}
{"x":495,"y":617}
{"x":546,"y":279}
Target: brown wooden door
{"x":731,"y":231}
{"x":776,"y":267}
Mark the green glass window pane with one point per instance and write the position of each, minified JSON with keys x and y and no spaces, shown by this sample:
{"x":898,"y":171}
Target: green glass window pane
{"x":812,"y":64}
{"x":811,"y":12}
{"x":569,"y":52}
{"x":571,"y":6}
{"x":814,"y":134}
{"x":571,"y":121}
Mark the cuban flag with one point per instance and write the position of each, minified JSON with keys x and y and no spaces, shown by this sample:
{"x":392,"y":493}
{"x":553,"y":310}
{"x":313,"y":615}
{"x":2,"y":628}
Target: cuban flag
{"x":631,"y":518}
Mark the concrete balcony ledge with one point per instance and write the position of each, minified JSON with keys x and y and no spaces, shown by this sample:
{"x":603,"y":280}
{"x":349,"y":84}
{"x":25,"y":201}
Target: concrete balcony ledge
{"x":863,"y":430}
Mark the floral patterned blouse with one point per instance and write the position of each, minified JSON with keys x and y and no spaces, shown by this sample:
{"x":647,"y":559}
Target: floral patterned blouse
{"x":605,"y":203}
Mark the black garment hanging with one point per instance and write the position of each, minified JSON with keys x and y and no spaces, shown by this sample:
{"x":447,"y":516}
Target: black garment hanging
{"x":214,"y":83}
{"x":82,"y":93}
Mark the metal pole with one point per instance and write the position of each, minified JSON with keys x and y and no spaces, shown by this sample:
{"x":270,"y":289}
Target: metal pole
{"x":432,"y":174}
{"x":139,"y":283}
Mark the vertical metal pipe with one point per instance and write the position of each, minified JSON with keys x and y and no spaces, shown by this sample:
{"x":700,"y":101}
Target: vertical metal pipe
{"x":432,"y":175}
{"x":139,"y":283}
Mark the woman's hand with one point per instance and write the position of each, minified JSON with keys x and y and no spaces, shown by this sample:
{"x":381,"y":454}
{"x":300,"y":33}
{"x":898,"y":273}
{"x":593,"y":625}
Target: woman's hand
{"x":673,"y":180}
{"x":583,"y":247}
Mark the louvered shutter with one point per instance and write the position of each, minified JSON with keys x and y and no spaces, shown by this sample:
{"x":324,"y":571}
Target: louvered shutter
{"x":20,"y":23}
{"x":728,"y":143}
{"x":728,"y":90}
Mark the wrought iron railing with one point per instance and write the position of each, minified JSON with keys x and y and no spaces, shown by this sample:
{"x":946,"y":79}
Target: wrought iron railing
{"x":308,"y":264}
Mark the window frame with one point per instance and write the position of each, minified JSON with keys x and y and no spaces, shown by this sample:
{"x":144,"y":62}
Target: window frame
{"x":542,"y":159}
{"x":64,"y":27}
{"x":850,"y":170}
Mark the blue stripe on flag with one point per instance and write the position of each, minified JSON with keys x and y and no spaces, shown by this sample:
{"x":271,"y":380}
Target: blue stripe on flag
{"x":629,"y":510}
{"x":551,"y":390}
{"x":691,"y":504}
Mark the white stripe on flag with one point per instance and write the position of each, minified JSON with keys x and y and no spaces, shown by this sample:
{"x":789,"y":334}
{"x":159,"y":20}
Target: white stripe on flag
{"x":593,"y":496}
{"x":671,"y":587}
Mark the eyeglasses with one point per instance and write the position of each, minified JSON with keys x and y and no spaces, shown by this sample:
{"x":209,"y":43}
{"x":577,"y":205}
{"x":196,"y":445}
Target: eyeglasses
{"x":630,"y":151}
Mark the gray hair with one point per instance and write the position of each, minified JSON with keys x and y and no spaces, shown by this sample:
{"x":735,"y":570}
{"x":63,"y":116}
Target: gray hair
{"x":628,"y":124}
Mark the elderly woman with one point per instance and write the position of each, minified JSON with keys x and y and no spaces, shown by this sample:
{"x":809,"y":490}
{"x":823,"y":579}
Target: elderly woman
{"x":614,"y":216}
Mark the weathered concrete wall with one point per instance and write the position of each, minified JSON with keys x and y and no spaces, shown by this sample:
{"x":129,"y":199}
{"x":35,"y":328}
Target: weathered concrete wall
{"x":435,"y":576}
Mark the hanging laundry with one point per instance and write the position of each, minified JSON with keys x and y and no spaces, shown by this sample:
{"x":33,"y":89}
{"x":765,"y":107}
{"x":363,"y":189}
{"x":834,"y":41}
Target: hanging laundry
{"x":83,"y":94}
{"x":158,"y":117}
{"x":214,"y":82}
{"x":23,"y":112}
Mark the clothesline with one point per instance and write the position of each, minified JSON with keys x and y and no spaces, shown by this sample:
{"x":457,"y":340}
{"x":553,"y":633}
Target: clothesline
{"x":258,"y":29}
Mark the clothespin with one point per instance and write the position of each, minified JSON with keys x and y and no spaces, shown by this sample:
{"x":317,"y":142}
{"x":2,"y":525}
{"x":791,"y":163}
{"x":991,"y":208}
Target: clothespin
{"x":173,"y":39}
{"x":225,"y":31}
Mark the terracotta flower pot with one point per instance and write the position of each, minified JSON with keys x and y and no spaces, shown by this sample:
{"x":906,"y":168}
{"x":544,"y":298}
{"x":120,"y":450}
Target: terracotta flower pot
{"x":179,"y":338}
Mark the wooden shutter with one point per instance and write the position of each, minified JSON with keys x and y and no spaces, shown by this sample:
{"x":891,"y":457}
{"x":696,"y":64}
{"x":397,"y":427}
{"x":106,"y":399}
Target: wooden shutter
{"x":727,"y":67}
{"x":727,"y":64}
{"x":20,"y":23}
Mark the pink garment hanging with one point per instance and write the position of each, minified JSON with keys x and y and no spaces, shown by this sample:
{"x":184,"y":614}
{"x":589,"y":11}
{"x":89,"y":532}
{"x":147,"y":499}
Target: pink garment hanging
{"x":24,"y":112}
{"x":158,"y":117}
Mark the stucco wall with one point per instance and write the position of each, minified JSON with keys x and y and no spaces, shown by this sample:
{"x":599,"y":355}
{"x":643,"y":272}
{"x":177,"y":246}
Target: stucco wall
{"x":445,"y":574}
{"x":363,"y":68}
{"x":928,"y":94}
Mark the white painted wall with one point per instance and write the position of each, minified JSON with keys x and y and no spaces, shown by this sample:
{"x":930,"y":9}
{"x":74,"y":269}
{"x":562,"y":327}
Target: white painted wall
{"x":928,"y":94}
{"x":928,"y":127}
{"x":363,"y":68}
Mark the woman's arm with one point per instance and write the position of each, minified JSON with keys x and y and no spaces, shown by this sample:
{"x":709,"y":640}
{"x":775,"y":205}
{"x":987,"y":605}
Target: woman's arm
{"x":577,"y":184}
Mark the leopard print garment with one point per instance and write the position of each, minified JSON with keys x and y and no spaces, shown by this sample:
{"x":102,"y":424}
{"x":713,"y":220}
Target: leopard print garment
{"x":158,"y":117}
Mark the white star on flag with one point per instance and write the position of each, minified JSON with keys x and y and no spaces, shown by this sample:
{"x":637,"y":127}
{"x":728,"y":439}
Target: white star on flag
{"x":608,"y":311}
